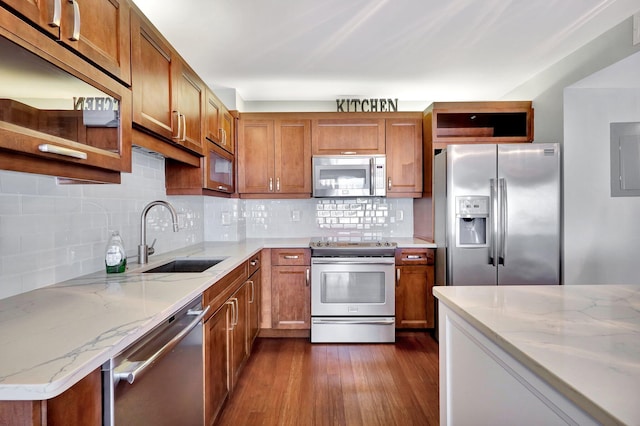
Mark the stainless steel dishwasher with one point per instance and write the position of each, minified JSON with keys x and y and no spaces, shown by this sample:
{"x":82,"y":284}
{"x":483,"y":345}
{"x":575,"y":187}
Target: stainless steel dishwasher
{"x":159,"y":380}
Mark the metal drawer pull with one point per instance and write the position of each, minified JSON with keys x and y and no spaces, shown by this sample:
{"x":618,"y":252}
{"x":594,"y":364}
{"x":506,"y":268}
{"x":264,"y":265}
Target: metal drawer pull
{"x":348,"y":153}
{"x":67,"y":152}
{"x":308,"y":277}
{"x":292,"y":256}
{"x":253,"y":263}
{"x":222,"y":188}
{"x":413,"y":257}
{"x":136,"y":369}
{"x":253,"y":292}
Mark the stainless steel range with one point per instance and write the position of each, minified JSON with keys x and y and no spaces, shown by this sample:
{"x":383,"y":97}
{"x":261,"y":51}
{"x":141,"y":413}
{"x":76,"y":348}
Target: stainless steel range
{"x":352,"y":291}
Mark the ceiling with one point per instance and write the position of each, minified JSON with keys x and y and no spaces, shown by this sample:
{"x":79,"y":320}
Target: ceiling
{"x":413,"y":50}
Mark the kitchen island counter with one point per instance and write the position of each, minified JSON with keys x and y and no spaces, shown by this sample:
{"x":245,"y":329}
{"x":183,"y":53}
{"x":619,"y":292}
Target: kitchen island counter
{"x":54,"y":336}
{"x":581,"y":342}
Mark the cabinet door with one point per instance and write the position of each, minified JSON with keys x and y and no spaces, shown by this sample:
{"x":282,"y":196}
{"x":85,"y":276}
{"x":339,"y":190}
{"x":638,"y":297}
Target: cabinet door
{"x":404,"y":157}
{"x":151,"y":80}
{"x":99,"y":30}
{"x":348,"y":136}
{"x":45,"y":14}
{"x":293,"y":156}
{"x":216,"y":382}
{"x":189,"y":107}
{"x":227,"y":139}
{"x":290,"y":297}
{"x":256,"y":156}
{"x":414,"y":300}
{"x":218,"y":169}
{"x":238,"y":333}
{"x":255,"y":291}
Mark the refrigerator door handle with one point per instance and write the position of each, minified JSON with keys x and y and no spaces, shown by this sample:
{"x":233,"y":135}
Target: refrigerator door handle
{"x":502,"y":253}
{"x":493,"y":225}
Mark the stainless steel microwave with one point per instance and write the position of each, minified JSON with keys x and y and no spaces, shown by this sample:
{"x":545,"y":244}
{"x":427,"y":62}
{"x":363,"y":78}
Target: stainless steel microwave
{"x":349,"y":176}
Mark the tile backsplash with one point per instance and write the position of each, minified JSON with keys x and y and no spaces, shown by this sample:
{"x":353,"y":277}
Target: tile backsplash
{"x":51,"y":232}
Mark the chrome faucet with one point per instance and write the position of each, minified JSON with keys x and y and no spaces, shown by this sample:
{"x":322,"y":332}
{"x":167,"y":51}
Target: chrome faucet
{"x":143,"y":250}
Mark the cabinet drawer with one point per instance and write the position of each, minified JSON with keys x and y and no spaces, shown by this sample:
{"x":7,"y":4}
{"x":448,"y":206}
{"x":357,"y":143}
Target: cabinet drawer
{"x":414,"y":256}
{"x":253,"y":264}
{"x":298,"y":256}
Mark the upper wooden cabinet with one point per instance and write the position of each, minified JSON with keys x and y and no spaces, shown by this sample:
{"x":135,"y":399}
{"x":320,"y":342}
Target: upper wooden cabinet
{"x":274,"y":156}
{"x":346,"y":135}
{"x":82,"y":132}
{"x":168,"y":97}
{"x":478,"y":122}
{"x":219,"y":123}
{"x":404,"y":157}
{"x":96,"y":29}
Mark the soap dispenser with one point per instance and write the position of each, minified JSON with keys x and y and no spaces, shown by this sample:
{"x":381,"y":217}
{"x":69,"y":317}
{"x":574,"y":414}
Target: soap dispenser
{"x":115,"y":258}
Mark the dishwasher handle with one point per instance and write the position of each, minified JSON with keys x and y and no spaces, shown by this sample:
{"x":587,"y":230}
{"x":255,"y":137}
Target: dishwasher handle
{"x":129,"y":371}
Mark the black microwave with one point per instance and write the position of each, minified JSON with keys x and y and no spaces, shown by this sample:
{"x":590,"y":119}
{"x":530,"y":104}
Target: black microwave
{"x":349,"y":175}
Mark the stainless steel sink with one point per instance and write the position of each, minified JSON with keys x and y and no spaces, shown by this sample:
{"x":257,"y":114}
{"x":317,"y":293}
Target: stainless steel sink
{"x":186,"y":265}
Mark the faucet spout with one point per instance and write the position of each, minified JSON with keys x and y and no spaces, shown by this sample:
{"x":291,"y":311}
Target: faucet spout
{"x":143,"y":250}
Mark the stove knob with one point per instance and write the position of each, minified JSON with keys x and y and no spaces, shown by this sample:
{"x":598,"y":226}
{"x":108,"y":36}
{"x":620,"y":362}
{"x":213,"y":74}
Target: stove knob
{"x":387,"y":243}
{"x":379,"y":244}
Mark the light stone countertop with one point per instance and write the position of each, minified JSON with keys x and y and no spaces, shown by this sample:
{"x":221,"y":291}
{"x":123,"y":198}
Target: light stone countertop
{"x":54,"y":336}
{"x":583,"y":340}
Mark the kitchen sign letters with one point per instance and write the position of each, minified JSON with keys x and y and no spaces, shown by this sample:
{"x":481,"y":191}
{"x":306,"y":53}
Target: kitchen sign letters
{"x":367,"y":105}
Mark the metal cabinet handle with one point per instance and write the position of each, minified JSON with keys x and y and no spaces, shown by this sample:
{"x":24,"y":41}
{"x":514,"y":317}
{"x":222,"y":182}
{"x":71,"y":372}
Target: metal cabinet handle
{"x":57,"y":13}
{"x":278,"y":184}
{"x":291,"y":256}
{"x":179,"y":123}
{"x":253,"y":291}
{"x":235,"y":299}
{"x":389,"y":184}
{"x":222,"y":188}
{"x":253,"y":262}
{"x":184,"y":127}
{"x":75,"y":34}
{"x":271,"y":184}
{"x":133,"y":370}
{"x":348,"y":153}
{"x":308,"y":277}
{"x":67,"y":152}
{"x":413,"y":257}
{"x":397,"y":276}
{"x":223,"y":139}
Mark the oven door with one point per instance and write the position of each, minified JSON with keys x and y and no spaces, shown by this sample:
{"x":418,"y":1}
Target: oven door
{"x":352,"y":286}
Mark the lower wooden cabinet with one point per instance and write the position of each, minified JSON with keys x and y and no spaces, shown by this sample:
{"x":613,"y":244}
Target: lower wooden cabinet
{"x":80,"y":405}
{"x":255,"y":301}
{"x":216,"y":382}
{"x":415,"y":304}
{"x":290,"y":288}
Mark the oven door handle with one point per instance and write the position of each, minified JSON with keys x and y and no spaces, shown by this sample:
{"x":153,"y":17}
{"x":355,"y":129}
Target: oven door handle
{"x":354,"y":321}
{"x":334,"y":261}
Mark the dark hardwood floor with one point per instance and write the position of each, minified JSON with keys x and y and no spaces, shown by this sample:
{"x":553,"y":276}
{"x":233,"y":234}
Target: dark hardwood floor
{"x":294,"y":382}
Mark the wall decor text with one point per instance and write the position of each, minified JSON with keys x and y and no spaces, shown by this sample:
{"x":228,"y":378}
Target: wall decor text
{"x":367,"y":105}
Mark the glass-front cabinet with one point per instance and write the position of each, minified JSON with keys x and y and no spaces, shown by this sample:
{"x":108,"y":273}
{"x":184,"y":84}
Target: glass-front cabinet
{"x":58,"y":114}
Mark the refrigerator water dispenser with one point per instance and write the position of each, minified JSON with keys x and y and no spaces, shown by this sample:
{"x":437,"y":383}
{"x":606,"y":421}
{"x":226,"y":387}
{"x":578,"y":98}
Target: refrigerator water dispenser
{"x":472,"y":220}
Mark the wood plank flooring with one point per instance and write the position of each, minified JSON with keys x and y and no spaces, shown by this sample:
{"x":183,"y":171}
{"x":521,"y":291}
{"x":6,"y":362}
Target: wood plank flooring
{"x":294,"y":382}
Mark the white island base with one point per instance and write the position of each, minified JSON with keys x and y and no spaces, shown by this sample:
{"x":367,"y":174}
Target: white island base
{"x":539,"y":355}
{"x":480,"y":384}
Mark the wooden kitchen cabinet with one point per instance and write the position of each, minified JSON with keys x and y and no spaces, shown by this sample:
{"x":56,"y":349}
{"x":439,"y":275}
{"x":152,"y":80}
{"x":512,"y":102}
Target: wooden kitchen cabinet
{"x":216,"y":351}
{"x":274,"y":156}
{"x":290,"y":288}
{"x":214,"y":177}
{"x":103,"y":38}
{"x":219,"y":123}
{"x":80,"y":405}
{"x":255,"y":299}
{"x":415,"y":304}
{"x":168,"y":97}
{"x":80,"y":138}
{"x":404,"y":157}
{"x":348,"y":136}
{"x":238,"y":333}
{"x":478,"y":122}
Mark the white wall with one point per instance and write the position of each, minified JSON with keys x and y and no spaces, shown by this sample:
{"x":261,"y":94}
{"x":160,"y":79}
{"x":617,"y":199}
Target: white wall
{"x":601,"y":233}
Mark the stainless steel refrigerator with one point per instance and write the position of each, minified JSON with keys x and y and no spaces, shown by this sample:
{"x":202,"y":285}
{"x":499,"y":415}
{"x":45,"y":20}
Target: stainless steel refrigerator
{"x":497,"y":214}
